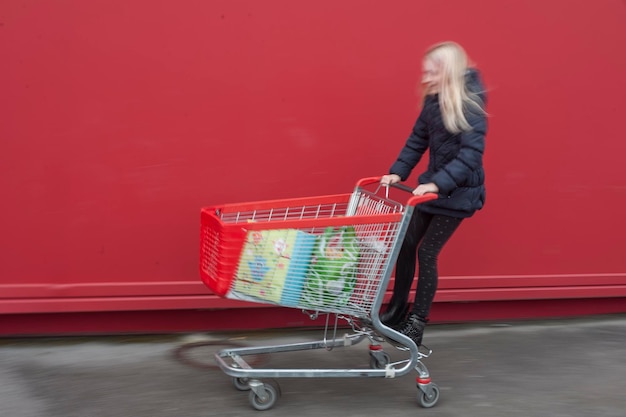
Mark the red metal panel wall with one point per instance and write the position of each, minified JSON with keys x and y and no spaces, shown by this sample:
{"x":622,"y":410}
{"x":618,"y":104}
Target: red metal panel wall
{"x":120,"y":119}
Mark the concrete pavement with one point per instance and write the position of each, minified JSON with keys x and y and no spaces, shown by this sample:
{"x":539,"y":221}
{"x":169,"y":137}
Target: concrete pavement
{"x":559,"y":368}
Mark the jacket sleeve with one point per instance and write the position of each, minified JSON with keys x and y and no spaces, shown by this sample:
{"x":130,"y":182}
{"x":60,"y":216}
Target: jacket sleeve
{"x":414,"y":148}
{"x":469,"y":158}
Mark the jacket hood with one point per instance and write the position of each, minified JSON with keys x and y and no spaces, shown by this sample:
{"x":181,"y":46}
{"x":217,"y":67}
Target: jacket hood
{"x":474,"y":83}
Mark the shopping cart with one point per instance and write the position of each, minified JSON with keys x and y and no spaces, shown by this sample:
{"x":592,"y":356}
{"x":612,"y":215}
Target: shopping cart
{"x":329,"y":256}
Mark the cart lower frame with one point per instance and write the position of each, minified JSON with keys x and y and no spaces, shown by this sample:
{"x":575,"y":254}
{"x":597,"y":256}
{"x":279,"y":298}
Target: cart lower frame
{"x":263,"y":394}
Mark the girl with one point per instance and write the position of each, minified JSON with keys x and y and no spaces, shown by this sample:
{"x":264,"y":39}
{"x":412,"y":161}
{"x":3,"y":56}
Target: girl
{"x":452,"y":124}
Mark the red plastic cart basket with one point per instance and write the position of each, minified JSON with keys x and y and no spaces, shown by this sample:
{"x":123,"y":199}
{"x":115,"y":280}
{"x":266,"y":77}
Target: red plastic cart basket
{"x":236,"y":264}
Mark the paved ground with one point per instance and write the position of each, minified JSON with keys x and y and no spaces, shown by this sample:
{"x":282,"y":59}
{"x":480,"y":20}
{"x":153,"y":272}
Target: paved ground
{"x":559,"y":368}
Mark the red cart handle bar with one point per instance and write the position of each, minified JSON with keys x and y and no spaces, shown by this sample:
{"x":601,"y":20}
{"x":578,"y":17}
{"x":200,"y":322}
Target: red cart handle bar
{"x":413,"y":201}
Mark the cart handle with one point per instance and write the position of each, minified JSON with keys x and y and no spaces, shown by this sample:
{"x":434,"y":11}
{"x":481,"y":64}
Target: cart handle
{"x":413,"y":201}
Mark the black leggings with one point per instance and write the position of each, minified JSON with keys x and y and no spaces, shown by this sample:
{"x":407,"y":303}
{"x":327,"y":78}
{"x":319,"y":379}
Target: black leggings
{"x":433,"y":231}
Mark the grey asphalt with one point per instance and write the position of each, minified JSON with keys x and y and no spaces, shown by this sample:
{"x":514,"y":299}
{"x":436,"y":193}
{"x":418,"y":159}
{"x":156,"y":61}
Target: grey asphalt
{"x":560,"y":368}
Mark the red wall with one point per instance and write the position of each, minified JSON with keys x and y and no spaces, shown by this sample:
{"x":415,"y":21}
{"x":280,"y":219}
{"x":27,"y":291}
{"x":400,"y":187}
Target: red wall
{"x":120,"y":119}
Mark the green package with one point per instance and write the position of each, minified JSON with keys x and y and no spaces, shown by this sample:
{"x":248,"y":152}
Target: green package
{"x":332,"y":275}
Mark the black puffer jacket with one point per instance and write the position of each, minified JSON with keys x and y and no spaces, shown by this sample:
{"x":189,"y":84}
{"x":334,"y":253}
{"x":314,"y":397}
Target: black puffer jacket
{"x":456,"y":160}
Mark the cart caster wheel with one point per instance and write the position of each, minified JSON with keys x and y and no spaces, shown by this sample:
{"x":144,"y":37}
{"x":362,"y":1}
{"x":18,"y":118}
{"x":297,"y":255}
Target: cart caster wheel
{"x":428,"y":400}
{"x":266,"y":398}
{"x":241,"y":384}
{"x":379,"y":360}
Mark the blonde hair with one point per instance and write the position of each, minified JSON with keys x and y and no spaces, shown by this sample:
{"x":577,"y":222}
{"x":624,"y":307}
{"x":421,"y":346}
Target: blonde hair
{"x":454,"y":97}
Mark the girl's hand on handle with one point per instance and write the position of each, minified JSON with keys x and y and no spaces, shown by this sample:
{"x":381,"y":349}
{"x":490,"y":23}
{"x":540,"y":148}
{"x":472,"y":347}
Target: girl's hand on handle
{"x":390,"y":179}
{"x":422,"y":189}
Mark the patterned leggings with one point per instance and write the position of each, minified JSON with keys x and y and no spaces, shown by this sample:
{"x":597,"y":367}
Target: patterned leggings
{"x":433,"y":231}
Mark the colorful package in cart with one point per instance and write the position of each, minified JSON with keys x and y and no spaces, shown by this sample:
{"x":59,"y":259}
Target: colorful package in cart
{"x":273,"y":266}
{"x":332,"y":275}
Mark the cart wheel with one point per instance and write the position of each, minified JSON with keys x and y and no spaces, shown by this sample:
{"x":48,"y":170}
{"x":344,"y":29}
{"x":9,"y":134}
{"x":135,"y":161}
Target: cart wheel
{"x":426,"y":400}
{"x":271,"y":393}
{"x":241,"y":384}
{"x":379,"y":361}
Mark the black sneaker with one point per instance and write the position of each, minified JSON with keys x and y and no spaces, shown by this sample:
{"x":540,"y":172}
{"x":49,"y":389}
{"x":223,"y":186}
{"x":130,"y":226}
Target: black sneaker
{"x":414,"y":328}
